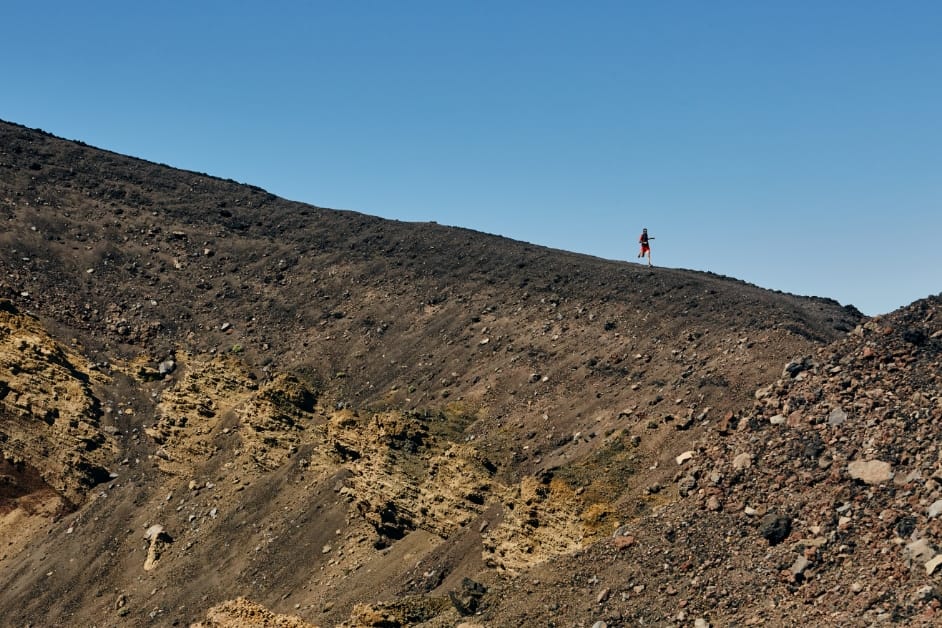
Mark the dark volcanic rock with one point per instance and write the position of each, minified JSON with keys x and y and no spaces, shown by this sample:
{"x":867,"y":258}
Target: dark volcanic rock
{"x":775,"y":528}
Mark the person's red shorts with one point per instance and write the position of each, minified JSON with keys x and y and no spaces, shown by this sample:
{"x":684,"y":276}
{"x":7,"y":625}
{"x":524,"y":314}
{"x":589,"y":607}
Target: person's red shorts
{"x":645,"y":249}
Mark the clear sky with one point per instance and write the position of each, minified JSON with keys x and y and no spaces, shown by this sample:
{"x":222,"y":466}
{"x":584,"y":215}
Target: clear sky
{"x":794,"y":144}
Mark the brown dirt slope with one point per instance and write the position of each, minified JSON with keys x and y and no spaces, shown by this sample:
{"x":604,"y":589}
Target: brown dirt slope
{"x":347,"y":419}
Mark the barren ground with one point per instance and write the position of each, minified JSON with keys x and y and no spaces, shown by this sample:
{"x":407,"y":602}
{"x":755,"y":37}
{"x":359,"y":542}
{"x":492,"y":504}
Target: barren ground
{"x":219,"y":406}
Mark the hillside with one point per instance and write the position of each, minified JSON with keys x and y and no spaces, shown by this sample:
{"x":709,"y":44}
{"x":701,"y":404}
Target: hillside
{"x":214,"y":393}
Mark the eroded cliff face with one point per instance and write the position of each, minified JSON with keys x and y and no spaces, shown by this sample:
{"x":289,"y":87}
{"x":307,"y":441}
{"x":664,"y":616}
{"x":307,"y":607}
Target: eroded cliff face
{"x":55,"y":447}
{"x":52,"y":436}
{"x":401,"y":471}
{"x":210,"y":446}
{"x":216,"y":403}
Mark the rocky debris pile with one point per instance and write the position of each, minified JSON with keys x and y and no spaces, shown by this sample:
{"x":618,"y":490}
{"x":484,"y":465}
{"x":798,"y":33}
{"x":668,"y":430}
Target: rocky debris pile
{"x":421,"y":610}
{"x":832,"y":482}
{"x":240,"y":612}
{"x":821,"y":503}
{"x":467,"y":599}
{"x":407,"y":611}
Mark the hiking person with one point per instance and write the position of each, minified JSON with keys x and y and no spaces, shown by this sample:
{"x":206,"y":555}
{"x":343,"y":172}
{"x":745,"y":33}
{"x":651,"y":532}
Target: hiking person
{"x":645,"y":248}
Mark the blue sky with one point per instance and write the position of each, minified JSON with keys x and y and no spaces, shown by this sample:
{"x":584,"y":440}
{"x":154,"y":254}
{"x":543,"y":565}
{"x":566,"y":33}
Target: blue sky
{"x":796,"y":145}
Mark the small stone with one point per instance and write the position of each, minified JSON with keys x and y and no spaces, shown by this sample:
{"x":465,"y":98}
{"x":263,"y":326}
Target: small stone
{"x":602,"y":596}
{"x":837,"y":417}
{"x":794,"y":368}
{"x":798,"y":567}
{"x":935,"y":509}
{"x":933,"y":564}
{"x":742,"y":461}
{"x":778,"y":419}
{"x":154,"y":531}
{"x":926,"y":593}
{"x":818,"y":541}
{"x":326,"y":549}
{"x":684,"y":457}
{"x":920,"y":551}
{"x":775,"y":528}
{"x":870,"y":471}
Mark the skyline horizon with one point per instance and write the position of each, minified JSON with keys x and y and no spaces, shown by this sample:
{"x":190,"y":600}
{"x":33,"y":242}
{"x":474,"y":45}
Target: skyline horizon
{"x":796,"y":147}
